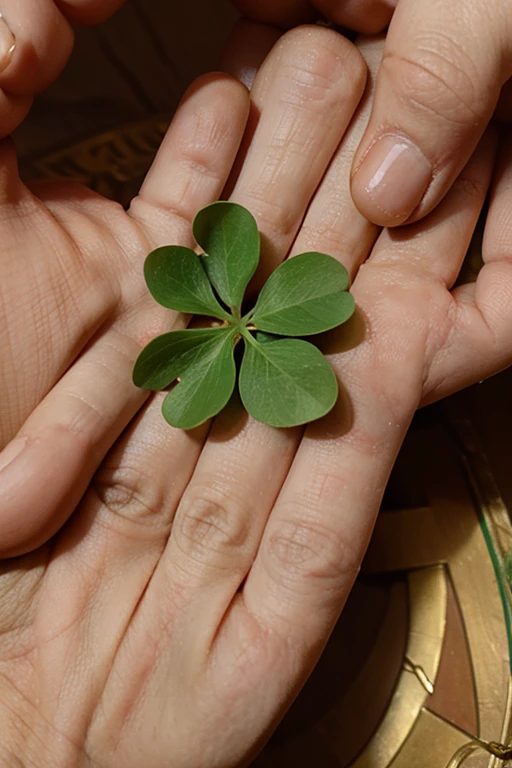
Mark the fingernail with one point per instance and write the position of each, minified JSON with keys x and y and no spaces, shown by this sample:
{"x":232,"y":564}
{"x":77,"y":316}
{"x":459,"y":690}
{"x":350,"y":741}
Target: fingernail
{"x":247,"y":76}
{"x":393,"y":176}
{"x":7,"y":43}
{"x":13,"y":450}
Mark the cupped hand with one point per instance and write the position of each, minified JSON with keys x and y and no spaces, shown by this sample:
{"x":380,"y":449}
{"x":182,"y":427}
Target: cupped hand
{"x":175,"y":616}
{"x":446,"y":67}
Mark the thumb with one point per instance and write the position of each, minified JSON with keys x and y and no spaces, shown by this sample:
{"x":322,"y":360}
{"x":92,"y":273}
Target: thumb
{"x":437,"y":89}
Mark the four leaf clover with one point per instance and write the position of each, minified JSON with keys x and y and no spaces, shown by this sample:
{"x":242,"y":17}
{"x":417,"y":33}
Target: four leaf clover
{"x":283,"y":380}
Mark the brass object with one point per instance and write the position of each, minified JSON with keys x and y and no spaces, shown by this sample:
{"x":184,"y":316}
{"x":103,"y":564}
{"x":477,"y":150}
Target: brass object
{"x":417,"y":673}
{"x":436,"y":716}
{"x":499,"y":751}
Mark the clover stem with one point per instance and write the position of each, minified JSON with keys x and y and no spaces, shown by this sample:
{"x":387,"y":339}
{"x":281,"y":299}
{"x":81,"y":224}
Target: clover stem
{"x":248,"y":337}
{"x":246,"y":319}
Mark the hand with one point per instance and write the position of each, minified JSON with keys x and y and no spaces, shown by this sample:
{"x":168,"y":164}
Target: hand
{"x":441,"y":78}
{"x":35,"y":42}
{"x":76,"y":315}
{"x":176,"y":620}
{"x":75,"y":309}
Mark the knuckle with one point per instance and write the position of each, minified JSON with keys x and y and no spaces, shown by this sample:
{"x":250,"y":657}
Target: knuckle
{"x":155,"y":215}
{"x":436,"y":83}
{"x":202,"y":144}
{"x":308,"y":551}
{"x":471,"y":187}
{"x":276,"y":217}
{"x":209,"y":523}
{"x":327,"y":236}
{"x":128,"y":493}
{"x":317,"y":64}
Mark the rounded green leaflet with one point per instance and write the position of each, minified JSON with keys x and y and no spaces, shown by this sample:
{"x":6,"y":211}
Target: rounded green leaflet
{"x":229,"y":236}
{"x":305,"y":295}
{"x":167,"y":356}
{"x":176,"y":278}
{"x":202,"y":360}
{"x":205,"y":390}
{"x":286,"y":382}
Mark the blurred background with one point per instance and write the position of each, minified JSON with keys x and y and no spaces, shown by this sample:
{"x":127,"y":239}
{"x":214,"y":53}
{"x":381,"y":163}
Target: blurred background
{"x":135,"y":65}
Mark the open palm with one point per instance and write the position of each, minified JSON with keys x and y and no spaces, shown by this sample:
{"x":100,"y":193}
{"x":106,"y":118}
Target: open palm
{"x":176,"y":614}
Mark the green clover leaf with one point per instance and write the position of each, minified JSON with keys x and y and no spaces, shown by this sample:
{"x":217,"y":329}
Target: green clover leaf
{"x":304,"y":296}
{"x":229,"y":237}
{"x":283,"y":381}
{"x":176,"y":278}
{"x":202,"y":360}
{"x":286,"y":382}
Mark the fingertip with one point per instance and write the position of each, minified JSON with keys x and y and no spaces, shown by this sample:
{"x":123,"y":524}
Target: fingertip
{"x":198,"y":152}
{"x":43,"y":43}
{"x":213,"y":95}
{"x":216,"y":99}
{"x":436,"y":93}
{"x":246,"y":49}
{"x":220,"y":84}
{"x":326,"y":53}
{"x":390,"y":180}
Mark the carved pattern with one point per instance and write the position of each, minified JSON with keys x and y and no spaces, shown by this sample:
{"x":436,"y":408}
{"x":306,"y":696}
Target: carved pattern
{"x":113,"y":164}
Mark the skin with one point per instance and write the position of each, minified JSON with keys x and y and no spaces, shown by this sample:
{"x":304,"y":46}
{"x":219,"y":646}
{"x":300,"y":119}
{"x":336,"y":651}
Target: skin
{"x":42,"y":40}
{"x":177,"y":612}
{"x":446,"y":70}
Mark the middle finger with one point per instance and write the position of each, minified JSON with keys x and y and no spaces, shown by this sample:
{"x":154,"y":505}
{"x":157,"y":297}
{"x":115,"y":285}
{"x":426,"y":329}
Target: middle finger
{"x":306,"y":94}
{"x":303,"y":98}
